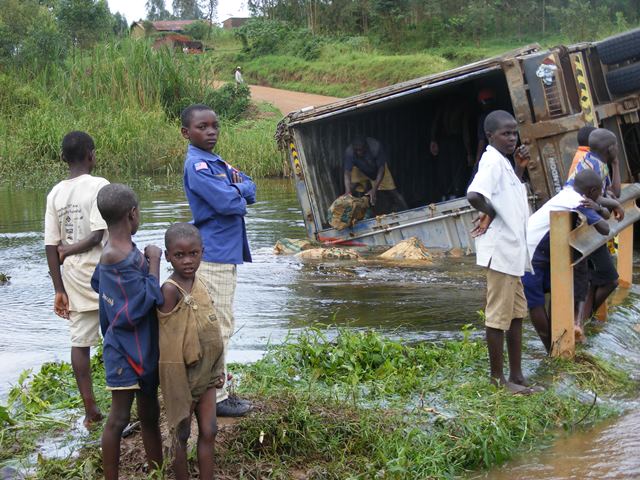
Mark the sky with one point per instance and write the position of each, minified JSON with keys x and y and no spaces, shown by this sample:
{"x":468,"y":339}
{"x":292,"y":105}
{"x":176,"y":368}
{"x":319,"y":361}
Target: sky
{"x":134,"y":9}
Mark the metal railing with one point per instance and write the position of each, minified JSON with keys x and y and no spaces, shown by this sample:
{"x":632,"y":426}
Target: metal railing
{"x":584,"y":240}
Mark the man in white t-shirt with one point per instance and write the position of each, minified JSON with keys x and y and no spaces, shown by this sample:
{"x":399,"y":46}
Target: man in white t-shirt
{"x":74,"y":234}
{"x":498,"y":193}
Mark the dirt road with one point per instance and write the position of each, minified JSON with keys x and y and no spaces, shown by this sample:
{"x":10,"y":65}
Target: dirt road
{"x":287,"y":101}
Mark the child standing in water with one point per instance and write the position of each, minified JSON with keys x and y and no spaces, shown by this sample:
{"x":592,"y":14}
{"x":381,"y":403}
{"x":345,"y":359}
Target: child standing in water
{"x":191,"y":360}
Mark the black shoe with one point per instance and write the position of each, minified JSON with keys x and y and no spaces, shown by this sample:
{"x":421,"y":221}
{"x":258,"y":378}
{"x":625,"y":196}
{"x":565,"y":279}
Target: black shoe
{"x":233,"y":407}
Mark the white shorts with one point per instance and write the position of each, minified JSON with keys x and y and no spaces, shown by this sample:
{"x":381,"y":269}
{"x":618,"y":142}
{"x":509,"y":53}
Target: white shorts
{"x":84,"y":328}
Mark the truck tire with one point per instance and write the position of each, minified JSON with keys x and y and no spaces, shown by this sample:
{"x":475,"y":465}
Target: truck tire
{"x":624,"y":80}
{"x":619,"y":48}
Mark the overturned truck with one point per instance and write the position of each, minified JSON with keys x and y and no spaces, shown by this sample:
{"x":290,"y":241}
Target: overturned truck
{"x":551,"y":92}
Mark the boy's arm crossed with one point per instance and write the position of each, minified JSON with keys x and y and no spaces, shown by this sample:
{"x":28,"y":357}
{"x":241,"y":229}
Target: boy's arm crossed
{"x":221,"y":196}
{"x":245,"y":186}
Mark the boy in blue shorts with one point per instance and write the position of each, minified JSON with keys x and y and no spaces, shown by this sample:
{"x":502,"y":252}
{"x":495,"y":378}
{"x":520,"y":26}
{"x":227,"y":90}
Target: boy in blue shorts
{"x":73,"y":237}
{"x":129,"y":292}
{"x":579,"y":197}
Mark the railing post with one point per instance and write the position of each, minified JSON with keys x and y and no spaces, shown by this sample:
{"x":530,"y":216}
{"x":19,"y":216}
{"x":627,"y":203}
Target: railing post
{"x":625,"y":252}
{"x":562,"y":336}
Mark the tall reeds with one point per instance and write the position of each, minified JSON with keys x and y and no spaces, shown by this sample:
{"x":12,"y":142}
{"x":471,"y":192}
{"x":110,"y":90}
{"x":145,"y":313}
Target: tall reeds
{"x":128,"y":96}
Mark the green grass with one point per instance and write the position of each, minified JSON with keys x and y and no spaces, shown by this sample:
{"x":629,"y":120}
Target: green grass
{"x":351,"y":405}
{"x":354,"y":65}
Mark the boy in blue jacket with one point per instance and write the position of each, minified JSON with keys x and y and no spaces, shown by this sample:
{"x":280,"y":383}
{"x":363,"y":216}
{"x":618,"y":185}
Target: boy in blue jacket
{"x":218,"y":196}
{"x":129,"y":291}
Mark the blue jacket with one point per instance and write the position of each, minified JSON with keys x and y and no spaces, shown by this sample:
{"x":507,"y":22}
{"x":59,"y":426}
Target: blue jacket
{"x":128,"y":299}
{"x":218,"y":206}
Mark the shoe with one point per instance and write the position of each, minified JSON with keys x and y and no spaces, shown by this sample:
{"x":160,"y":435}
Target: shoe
{"x":233,"y":407}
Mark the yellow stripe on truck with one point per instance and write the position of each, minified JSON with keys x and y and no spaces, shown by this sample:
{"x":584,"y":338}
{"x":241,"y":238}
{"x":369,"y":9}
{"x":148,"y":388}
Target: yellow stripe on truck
{"x":585,"y":92}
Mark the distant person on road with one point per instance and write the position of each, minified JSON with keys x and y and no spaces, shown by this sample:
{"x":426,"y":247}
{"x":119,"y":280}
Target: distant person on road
{"x":74,"y":234}
{"x":581,"y":197}
{"x":218,"y":195}
{"x":366,"y":172}
{"x":238,"y":75}
{"x":583,"y":148}
{"x":499,"y":195}
{"x":603,"y":159}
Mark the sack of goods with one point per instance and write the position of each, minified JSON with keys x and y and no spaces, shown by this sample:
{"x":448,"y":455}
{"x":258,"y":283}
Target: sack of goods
{"x":347,"y":210}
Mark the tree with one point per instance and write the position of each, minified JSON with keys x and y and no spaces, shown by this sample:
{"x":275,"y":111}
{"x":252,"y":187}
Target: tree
{"x":186,"y":9}
{"x":29,"y":34}
{"x":120,"y":25}
{"x":210,"y":11}
{"x":86,"y":21}
{"x":156,"y":10}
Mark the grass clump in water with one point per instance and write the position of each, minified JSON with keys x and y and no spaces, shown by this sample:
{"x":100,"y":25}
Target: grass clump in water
{"x":362,"y":406}
{"x":349,"y":404}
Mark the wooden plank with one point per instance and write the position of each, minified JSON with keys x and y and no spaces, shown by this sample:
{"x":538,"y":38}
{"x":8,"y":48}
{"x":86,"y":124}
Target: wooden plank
{"x":625,"y":254}
{"x":562,"y":336}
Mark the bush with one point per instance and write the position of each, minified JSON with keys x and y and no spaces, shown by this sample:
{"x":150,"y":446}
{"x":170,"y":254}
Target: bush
{"x":264,"y":37}
{"x":198,"y":30}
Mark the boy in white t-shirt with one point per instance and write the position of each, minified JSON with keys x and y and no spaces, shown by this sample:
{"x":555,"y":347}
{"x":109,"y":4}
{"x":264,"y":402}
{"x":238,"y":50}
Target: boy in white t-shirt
{"x":74,"y":234}
{"x":498,"y":193}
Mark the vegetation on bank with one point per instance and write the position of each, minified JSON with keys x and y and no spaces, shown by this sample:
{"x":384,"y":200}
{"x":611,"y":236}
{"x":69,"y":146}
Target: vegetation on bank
{"x":129,"y":97}
{"x":350,"y":404}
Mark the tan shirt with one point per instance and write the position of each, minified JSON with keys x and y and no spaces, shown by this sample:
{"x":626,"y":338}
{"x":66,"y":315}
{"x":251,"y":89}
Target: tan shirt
{"x":71,"y":215}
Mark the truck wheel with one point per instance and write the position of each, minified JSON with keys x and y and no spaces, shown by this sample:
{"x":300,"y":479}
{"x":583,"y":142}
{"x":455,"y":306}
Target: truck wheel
{"x":624,"y":80}
{"x":619,"y":48}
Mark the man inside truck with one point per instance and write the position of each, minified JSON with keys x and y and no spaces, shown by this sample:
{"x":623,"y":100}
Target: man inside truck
{"x":366,"y":173}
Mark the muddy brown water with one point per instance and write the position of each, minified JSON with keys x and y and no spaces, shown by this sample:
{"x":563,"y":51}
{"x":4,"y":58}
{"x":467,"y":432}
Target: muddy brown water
{"x":278,"y":295}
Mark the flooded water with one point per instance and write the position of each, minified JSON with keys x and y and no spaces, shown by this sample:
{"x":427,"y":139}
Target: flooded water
{"x":279,"y":294}
{"x":275,"y":294}
{"x":609,"y":451}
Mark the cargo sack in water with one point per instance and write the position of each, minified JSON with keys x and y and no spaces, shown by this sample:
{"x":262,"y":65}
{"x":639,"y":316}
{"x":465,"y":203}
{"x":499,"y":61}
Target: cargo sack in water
{"x":347,"y":210}
{"x":409,"y":249}
{"x":291,"y":246}
{"x":334,"y":253}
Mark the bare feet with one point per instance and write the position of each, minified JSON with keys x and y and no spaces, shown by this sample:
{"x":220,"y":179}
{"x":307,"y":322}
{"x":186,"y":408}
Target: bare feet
{"x":578,"y":332}
{"x":516,"y":389}
{"x":92,"y":418}
{"x":522,"y":382}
